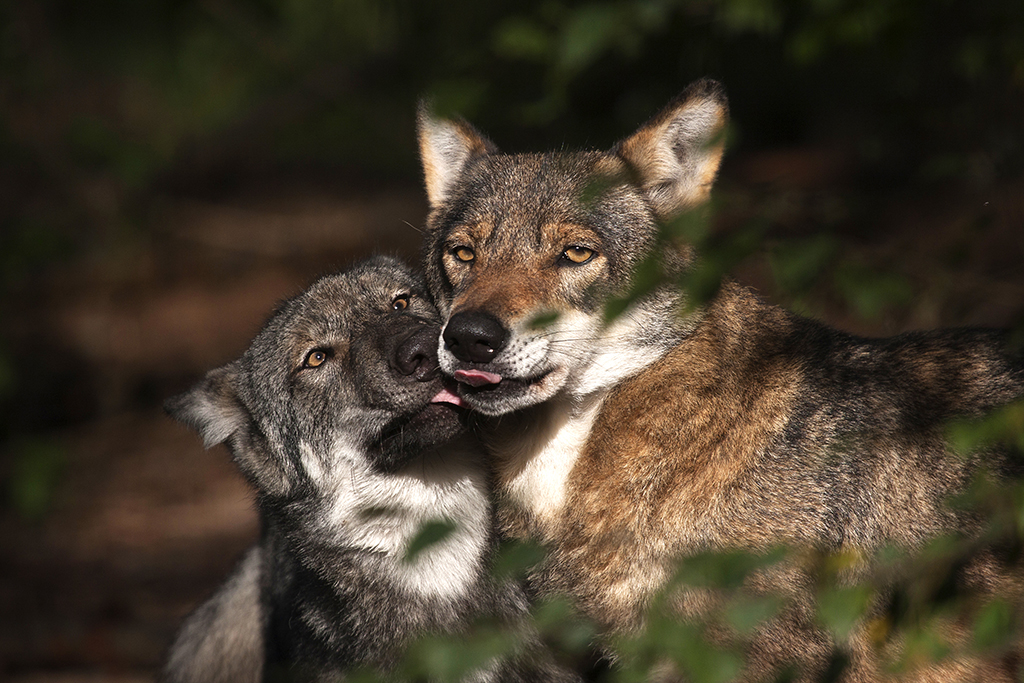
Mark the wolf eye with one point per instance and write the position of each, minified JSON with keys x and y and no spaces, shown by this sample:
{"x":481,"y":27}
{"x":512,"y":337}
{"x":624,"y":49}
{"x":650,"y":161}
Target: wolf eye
{"x":316,"y":358}
{"x":401,"y":302}
{"x":464,"y":254}
{"x":578,"y":255}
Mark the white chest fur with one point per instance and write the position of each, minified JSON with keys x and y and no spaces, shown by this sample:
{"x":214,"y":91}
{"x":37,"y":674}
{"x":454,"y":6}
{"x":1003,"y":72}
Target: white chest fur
{"x":383,"y":513}
{"x":537,"y":450}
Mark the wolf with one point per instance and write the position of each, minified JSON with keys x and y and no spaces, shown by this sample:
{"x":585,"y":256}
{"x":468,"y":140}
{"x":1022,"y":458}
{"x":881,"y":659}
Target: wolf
{"x":338,"y":417}
{"x":684,"y":426}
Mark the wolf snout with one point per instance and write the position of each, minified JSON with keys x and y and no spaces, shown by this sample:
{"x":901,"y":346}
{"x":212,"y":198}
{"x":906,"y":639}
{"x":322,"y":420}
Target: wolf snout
{"x":474,"y":336}
{"x":416,"y":355}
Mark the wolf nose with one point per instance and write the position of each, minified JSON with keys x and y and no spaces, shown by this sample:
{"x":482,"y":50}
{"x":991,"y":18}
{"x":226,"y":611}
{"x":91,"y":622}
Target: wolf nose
{"x":474,"y":337}
{"x":416,"y":356}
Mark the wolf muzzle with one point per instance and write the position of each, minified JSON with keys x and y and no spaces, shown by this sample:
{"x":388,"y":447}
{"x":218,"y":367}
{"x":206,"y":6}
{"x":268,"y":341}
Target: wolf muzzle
{"x":415,"y":355}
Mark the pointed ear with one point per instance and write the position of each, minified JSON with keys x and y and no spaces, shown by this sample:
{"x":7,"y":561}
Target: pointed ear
{"x":446,"y":146}
{"x":211,"y":407}
{"x":676,"y":154}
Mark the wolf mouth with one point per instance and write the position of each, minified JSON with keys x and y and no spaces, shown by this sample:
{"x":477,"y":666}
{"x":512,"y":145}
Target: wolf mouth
{"x":502,"y":388}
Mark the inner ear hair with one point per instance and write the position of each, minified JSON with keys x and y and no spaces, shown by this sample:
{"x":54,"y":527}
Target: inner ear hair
{"x":211,"y":407}
{"x":675,"y":156}
{"x":446,"y":147}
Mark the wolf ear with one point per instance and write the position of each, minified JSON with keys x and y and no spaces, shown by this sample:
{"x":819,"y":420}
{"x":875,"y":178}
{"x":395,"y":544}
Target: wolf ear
{"x":446,"y":146}
{"x":211,"y":407}
{"x":676,"y":154}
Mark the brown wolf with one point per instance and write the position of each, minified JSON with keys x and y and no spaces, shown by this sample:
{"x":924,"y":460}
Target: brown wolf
{"x":679,"y":429}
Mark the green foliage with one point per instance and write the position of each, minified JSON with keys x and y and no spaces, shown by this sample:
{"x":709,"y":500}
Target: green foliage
{"x":38,"y":464}
{"x":430,"y":533}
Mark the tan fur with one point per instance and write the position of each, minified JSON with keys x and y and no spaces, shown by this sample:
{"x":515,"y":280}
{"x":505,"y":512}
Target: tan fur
{"x":628,"y":447}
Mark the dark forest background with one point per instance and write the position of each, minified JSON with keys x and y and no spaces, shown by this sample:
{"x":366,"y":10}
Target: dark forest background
{"x":171,"y":169}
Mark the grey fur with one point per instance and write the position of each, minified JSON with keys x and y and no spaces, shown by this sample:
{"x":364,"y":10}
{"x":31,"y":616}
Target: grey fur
{"x":337,"y":416}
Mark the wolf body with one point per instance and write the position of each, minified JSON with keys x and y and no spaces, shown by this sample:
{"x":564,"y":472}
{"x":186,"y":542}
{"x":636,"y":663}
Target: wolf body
{"x":681,"y":428}
{"x":338,"y":417}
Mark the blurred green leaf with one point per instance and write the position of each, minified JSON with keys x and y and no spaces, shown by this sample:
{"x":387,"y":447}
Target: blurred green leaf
{"x":515,"y":558}
{"x":746,"y":613}
{"x":994,"y":626}
{"x":758,"y":16}
{"x":38,"y":464}
{"x":520,"y":38}
{"x":871,"y":292}
{"x":797,"y":265}
{"x":430,"y":533}
{"x":589,"y":31}
{"x":842,"y":608}
{"x":1004,"y":425}
{"x":562,"y":625}
{"x":726,"y":569}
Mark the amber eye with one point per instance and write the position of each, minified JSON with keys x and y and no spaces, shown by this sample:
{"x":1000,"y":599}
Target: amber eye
{"x":578,"y":255}
{"x":401,"y":302}
{"x":464,"y":254}
{"x":316,"y":358}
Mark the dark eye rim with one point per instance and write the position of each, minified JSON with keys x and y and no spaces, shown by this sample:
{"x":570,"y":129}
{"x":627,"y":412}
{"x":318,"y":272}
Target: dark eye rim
{"x":325,"y":353}
{"x":405,"y":299}
{"x":564,"y":257}
{"x":455,"y":249}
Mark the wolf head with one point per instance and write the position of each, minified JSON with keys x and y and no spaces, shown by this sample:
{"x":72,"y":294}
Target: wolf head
{"x":522,"y":251}
{"x":349,"y":366}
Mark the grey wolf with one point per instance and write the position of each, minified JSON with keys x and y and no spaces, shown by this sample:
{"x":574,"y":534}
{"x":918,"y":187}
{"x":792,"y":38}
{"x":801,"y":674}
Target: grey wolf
{"x":337,"y":416}
{"x":683,"y":427}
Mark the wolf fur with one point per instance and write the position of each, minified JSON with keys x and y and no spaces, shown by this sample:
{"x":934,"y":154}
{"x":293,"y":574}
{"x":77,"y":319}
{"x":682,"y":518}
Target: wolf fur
{"x":337,"y":416}
{"x":682,"y":428}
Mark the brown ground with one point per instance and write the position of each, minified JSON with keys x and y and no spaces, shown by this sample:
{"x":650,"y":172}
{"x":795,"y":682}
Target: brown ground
{"x":143,"y":523}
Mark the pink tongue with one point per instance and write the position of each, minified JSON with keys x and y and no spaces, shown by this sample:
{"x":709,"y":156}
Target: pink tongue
{"x":476,"y":378}
{"x":445,"y":396}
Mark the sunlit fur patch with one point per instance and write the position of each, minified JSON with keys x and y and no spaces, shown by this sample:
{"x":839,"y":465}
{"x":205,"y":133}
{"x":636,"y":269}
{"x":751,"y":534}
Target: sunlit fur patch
{"x":383,"y":513}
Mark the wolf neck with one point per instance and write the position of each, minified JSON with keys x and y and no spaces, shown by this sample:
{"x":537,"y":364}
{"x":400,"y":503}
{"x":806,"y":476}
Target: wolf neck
{"x":635,"y":340}
{"x":378,"y":515}
{"x":536,"y":449}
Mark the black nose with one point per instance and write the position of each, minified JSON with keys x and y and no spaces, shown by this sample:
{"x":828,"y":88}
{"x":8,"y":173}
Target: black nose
{"x":474,"y":337}
{"x":416,"y":355}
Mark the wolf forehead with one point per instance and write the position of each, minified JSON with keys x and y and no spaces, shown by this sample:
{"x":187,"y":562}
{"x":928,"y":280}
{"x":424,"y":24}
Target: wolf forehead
{"x":336,"y":305}
{"x":533,"y":192}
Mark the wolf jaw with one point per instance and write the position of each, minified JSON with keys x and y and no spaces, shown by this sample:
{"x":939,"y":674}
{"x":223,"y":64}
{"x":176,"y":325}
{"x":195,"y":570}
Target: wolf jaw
{"x":489,"y":211}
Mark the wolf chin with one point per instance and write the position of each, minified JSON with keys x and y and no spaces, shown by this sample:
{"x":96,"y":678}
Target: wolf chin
{"x":683,"y":427}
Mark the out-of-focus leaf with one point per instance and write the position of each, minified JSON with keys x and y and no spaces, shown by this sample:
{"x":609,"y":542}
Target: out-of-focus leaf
{"x":841,"y":608}
{"x":747,"y":613}
{"x":1003,"y":425}
{"x":38,"y":465}
{"x":590,"y":30}
{"x":515,"y":558}
{"x":994,"y":626}
{"x":797,"y":265}
{"x":430,"y":533}
{"x":521,"y":38}
{"x":870,"y":292}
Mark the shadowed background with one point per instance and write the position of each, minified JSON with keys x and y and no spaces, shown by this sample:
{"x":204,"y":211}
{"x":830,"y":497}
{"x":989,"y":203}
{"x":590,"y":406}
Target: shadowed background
{"x":171,"y":169}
